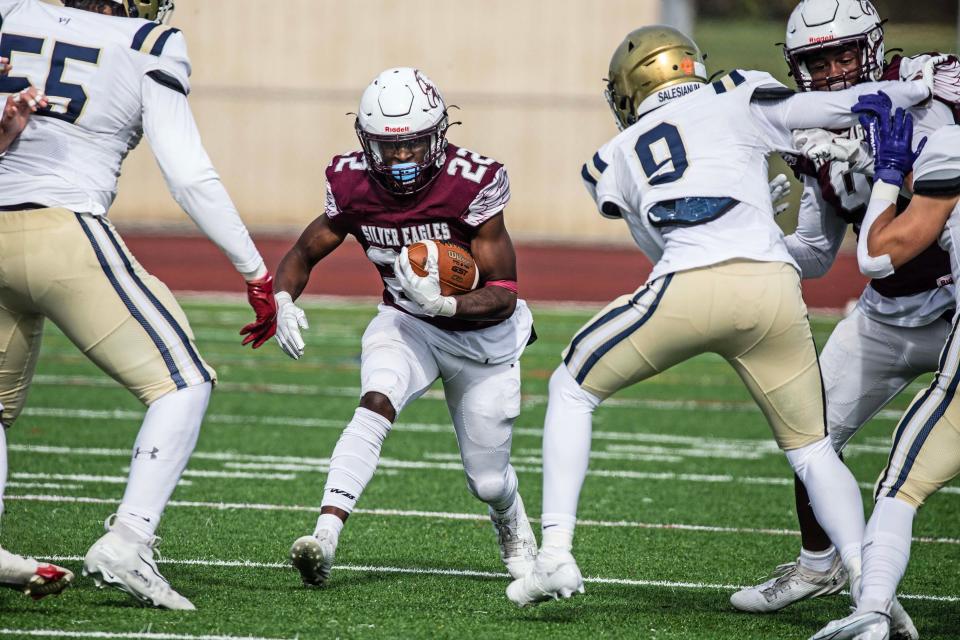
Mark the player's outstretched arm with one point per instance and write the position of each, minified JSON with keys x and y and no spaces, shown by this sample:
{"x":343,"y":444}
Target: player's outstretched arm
{"x":193,"y":182}
{"x":886,"y":240}
{"x":828,"y":109}
{"x":316,"y":242}
{"x":906,"y":236}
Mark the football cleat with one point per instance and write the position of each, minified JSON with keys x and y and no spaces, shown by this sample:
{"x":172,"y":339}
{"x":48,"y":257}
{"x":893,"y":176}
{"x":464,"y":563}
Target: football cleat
{"x":790,"y":583}
{"x":518,"y":545}
{"x":901,"y":625}
{"x":129,"y":566}
{"x":555,"y":575}
{"x":32,"y":578}
{"x":872,"y":625}
{"x":313,"y":555}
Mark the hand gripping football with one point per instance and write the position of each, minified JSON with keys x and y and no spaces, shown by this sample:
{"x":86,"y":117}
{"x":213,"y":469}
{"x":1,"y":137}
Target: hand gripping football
{"x":458,"y":272}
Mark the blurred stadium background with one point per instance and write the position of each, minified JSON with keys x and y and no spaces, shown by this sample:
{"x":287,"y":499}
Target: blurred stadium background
{"x":272,"y":90}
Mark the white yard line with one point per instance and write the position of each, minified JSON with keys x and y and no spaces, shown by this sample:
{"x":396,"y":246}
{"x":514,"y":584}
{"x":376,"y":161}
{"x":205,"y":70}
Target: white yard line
{"x":316,"y":391}
{"x":444,"y":515}
{"x":144,"y":635}
{"x":474,"y":574}
{"x":296,"y":464}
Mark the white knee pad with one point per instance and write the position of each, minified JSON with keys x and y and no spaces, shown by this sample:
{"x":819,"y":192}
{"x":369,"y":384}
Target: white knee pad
{"x":805,"y":457}
{"x":496,"y":487}
{"x":564,"y":389}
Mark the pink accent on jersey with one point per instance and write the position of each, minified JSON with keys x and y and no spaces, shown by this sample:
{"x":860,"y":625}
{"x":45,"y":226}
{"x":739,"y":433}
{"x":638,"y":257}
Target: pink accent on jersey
{"x":469,"y":190}
{"x":509,"y":285}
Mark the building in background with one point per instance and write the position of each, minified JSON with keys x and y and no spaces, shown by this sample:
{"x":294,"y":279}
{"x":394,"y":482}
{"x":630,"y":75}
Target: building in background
{"x":272,"y":90}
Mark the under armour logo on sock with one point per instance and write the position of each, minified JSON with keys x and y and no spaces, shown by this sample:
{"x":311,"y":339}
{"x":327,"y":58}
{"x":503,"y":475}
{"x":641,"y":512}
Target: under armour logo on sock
{"x":153,"y":453}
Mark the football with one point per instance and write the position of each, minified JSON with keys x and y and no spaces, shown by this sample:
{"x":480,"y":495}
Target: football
{"x":458,"y":271}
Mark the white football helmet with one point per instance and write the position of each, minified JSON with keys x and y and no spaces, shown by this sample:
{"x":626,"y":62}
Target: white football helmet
{"x":403,"y":108}
{"x":816,"y":25}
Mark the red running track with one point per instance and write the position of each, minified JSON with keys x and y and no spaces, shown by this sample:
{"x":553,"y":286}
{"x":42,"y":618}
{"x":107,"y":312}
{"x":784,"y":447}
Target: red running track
{"x":547,"y":272}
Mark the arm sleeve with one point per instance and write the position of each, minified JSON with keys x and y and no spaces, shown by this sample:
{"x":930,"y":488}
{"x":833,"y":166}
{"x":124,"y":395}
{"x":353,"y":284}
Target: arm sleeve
{"x":826,"y":109}
{"x":815,"y":243}
{"x":193,"y":182}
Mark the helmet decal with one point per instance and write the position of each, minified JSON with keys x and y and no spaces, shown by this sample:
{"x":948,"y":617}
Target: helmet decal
{"x":429,"y":89}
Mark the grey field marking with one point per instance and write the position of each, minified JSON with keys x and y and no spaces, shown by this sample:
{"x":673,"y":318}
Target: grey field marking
{"x":248,"y":564}
{"x":443,"y":515}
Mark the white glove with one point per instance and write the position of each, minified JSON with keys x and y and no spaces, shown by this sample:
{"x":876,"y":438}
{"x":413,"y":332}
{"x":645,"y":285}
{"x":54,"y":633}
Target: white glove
{"x":779,"y":192}
{"x":290,"y":320}
{"x":425,"y":291}
{"x":823,"y":146}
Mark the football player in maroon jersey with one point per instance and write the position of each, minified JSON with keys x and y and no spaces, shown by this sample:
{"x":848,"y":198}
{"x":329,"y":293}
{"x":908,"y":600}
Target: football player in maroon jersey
{"x":901,"y":322}
{"x":408,"y":184}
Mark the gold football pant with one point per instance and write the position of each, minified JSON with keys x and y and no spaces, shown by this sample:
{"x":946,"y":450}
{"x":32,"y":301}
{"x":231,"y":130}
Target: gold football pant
{"x":926,"y":444}
{"x":751,"y":313}
{"x":75,"y":270}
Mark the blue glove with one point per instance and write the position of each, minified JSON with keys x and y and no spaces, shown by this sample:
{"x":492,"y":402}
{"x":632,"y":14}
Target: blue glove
{"x":890,"y":137}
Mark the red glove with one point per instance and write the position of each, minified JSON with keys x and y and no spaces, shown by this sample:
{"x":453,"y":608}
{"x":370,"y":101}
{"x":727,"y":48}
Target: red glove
{"x":260,"y":297}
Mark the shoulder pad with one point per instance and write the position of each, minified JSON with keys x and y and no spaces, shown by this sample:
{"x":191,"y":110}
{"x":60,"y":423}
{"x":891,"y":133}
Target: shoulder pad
{"x":729,"y":82}
{"x":937,"y":170}
{"x":152,"y":37}
{"x":593,"y":169}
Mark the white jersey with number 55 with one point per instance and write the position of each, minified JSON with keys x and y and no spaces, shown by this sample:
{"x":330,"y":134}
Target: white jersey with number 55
{"x":92,"y":68}
{"x":690,"y":178}
{"x":109,"y":80}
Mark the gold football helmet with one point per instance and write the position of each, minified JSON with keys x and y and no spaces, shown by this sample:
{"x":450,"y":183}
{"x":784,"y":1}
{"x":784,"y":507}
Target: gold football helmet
{"x":156,"y":10}
{"x":648,"y":62}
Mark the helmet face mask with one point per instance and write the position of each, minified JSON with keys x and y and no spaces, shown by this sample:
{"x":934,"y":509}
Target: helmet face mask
{"x":824,"y":29}
{"x":154,"y":10}
{"x":652,"y":65}
{"x":402,"y":127}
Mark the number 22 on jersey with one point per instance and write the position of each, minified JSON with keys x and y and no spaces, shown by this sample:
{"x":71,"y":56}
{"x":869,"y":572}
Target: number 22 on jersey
{"x":59,"y":68}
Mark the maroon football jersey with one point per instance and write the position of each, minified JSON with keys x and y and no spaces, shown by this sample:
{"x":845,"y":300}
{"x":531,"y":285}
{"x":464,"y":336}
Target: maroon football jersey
{"x":849,"y":196}
{"x":468,"y":190}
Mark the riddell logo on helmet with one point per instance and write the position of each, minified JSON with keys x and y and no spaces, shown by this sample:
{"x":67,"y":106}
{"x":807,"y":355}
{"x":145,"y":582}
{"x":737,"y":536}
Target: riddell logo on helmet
{"x":389,"y":129}
{"x":816,"y":39}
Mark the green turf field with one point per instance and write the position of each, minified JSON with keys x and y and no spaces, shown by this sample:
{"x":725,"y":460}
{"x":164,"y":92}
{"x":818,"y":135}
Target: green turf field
{"x":688,"y":497}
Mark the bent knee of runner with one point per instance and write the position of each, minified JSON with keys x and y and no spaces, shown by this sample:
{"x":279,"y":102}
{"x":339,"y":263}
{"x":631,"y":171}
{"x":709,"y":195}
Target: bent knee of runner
{"x":380,"y":404}
{"x":492,"y":487}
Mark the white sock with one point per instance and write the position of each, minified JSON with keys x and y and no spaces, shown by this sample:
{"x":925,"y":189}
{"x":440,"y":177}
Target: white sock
{"x":886,"y":552}
{"x":3,"y":465}
{"x":834,"y":496}
{"x":160,"y":454}
{"x":355,"y":459}
{"x":329,"y":522}
{"x":507,"y":513}
{"x":819,"y":561}
{"x":566,"y":453}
